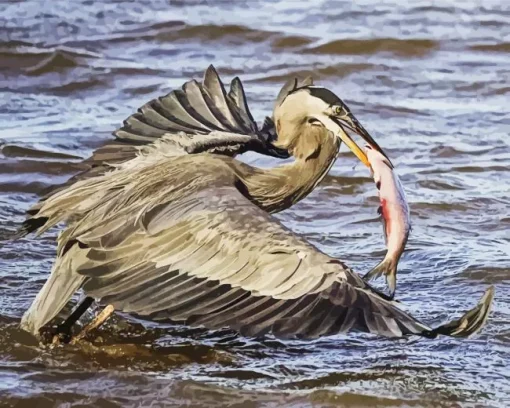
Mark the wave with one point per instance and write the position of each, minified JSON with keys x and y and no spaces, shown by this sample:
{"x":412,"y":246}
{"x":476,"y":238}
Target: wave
{"x":31,"y":68}
{"x":214,"y":32}
{"x":503,"y":47}
{"x":178,"y":30}
{"x":31,"y":60}
{"x":452,"y":151}
{"x":57,"y":61}
{"x":57,"y":168}
{"x":331,"y":71}
{"x":31,"y":187}
{"x":486,"y":274}
{"x":440,"y":185}
{"x":402,"y":47}
{"x":291,"y":42}
{"x":20,"y":151}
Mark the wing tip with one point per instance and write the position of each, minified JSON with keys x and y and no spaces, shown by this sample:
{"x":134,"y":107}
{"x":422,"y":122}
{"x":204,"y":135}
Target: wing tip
{"x":211,"y":71}
{"x":32,"y":224}
{"x":472,"y":321}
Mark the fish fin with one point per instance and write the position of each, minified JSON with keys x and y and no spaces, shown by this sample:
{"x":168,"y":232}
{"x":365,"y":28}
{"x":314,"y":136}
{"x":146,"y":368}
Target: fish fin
{"x":388,"y":267}
{"x":470,"y":322}
{"x":383,"y":222}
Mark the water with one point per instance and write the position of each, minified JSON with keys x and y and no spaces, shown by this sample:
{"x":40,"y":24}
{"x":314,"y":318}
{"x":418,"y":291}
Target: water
{"x":430,"y":82}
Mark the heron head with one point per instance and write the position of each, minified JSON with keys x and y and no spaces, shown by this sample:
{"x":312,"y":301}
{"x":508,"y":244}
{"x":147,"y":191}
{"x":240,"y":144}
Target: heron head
{"x":316,"y":109}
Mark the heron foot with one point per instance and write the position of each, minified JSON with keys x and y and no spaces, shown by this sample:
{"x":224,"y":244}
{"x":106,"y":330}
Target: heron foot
{"x":102,"y":317}
{"x":62,"y":334}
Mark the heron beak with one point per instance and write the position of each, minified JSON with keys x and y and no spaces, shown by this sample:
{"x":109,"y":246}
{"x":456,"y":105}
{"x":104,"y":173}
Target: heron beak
{"x":351,"y":123}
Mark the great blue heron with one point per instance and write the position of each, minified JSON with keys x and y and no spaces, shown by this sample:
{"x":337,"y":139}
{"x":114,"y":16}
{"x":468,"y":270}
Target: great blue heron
{"x":170,"y":231}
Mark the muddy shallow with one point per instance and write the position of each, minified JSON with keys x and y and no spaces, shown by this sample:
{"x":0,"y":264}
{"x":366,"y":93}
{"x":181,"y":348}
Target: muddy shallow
{"x":431,"y":83}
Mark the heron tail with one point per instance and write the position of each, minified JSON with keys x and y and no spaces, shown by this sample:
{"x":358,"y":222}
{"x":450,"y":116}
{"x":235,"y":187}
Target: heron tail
{"x":388,"y":268}
{"x":56,"y":292}
{"x":470,"y":322}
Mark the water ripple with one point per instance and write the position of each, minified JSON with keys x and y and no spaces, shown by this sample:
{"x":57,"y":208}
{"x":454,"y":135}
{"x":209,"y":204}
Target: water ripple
{"x":429,"y":82}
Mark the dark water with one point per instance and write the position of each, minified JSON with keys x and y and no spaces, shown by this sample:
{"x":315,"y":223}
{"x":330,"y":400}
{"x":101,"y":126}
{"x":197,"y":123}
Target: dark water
{"x":431,"y":83}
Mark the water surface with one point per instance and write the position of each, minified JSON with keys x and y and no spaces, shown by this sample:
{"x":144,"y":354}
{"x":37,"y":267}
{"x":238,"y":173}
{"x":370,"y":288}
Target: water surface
{"x":431,"y":83}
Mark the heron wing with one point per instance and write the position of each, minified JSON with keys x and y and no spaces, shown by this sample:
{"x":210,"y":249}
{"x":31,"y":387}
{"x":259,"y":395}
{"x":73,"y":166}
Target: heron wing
{"x":212,"y":258}
{"x":201,"y":117}
{"x":177,"y":240}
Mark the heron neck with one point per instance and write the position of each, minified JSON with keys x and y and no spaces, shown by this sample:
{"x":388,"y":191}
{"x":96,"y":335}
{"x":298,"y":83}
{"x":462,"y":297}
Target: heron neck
{"x":279,"y":188}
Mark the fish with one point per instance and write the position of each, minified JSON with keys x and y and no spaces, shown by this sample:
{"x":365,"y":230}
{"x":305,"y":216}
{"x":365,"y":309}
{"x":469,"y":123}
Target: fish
{"x":395,"y":214}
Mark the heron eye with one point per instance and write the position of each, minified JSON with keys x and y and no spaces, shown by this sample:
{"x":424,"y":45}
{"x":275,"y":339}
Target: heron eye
{"x":338,"y":110}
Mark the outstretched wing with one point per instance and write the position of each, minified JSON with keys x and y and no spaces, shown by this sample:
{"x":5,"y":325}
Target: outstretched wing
{"x":200,"y":117}
{"x":200,"y":109}
{"x":212,"y":258}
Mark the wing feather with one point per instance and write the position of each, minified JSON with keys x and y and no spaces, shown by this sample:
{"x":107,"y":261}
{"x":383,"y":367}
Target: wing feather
{"x":152,"y":117}
{"x":237,"y":95}
{"x":224,"y":297}
{"x":178,"y":124}
{"x":172,"y":103}
{"x":136,"y":124}
{"x":215,"y":90}
{"x":127,"y":135}
{"x":226,"y":263}
{"x":195,"y":96}
{"x":205,"y":255}
{"x":202,"y":117}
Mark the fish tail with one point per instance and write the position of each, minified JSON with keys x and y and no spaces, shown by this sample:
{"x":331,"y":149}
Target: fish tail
{"x":391,"y":281}
{"x":387,"y":267}
{"x":470,"y":322}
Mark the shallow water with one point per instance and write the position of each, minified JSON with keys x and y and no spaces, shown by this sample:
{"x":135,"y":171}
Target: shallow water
{"x":431,"y":83}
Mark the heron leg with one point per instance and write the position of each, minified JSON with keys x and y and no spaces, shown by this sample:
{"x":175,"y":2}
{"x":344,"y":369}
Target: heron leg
{"x":94,"y":324}
{"x":63,"y":331}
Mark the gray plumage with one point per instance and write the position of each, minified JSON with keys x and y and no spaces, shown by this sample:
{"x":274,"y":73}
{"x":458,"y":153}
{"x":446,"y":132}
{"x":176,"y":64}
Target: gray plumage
{"x":173,"y":231}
